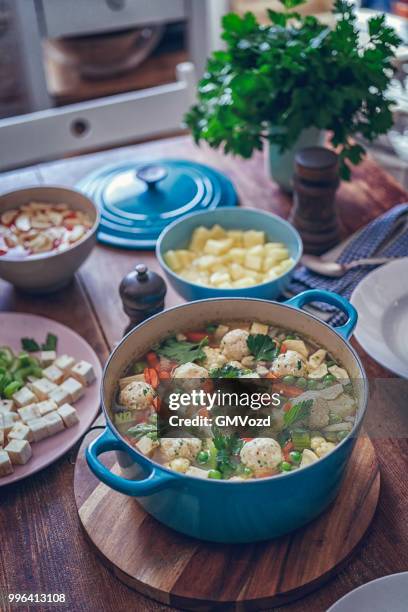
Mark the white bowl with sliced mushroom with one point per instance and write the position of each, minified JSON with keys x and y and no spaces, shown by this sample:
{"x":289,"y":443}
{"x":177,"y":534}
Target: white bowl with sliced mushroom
{"x":46,"y":233}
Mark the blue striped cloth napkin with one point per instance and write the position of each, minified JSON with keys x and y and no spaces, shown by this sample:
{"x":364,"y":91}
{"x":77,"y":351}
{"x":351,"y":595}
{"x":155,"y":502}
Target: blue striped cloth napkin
{"x":364,"y":245}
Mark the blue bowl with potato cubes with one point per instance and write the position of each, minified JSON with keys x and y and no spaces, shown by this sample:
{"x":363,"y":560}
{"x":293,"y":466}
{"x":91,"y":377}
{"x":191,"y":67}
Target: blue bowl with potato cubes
{"x":240,"y":252}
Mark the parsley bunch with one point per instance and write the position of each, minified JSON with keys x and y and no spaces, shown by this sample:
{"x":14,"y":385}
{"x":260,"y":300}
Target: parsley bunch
{"x":274,"y":81}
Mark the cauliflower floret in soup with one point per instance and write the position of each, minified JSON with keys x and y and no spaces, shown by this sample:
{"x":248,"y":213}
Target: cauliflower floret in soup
{"x":187,"y":448}
{"x":137,"y":395}
{"x":234,"y":345}
{"x":290,"y":363}
{"x":261,"y":455}
{"x":213,"y":358}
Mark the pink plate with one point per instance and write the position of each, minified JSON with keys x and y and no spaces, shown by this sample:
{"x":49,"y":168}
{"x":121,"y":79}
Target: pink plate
{"x":13,"y":327}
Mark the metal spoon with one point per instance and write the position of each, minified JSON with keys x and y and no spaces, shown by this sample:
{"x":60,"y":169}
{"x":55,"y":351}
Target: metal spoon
{"x":335,"y":270}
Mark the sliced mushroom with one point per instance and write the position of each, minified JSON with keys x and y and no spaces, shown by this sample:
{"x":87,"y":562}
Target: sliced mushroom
{"x":7,"y":218}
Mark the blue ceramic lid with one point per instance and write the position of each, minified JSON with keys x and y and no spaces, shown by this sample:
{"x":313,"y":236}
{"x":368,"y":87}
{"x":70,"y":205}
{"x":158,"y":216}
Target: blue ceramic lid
{"x":138,"y":199}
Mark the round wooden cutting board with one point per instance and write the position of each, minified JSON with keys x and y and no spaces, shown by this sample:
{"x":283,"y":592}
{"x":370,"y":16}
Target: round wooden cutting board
{"x":190,"y":574}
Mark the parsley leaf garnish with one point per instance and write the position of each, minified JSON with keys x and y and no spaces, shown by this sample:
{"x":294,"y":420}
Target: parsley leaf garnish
{"x":262,"y":347}
{"x":227,"y":371}
{"x":227,"y":448}
{"x":182,"y":351}
{"x":297,"y":412}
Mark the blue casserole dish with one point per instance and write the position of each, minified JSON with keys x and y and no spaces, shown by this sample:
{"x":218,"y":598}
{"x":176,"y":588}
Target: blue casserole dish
{"x":224,"y":511}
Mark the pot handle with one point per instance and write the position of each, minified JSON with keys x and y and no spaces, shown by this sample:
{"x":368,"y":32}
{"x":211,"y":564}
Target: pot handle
{"x":154,"y":481}
{"x":320,"y":295}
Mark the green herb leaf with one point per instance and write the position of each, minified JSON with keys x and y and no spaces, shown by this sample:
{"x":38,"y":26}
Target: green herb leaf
{"x":227,"y":371}
{"x":274,"y":81}
{"x":297,"y":412}
{"x":262,"y":347}
{"x":50,"y":343}
{"x":227,"y":447}
{"x":182,"y":351}
{"x":29,"y":345}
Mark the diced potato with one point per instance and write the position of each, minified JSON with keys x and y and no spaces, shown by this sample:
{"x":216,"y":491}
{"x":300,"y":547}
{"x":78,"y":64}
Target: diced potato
{"x":252,"y":238}
{"x":219,"y":278}
{"x":317,"y":358}
{"x":237,"y":237}
{"x":220,"y":332}
{"x":259,"y":328}
{"x":217,"y":232}
{"x":172,"y":260}
{"x":205,"y":262}
{"x":297,"y":345}
{"x":284,"y":266}
{"x":258,"y":249}
{"x":244,"y":282}
{"x":236,"y":255}
{"x":200,"y":237}
{"x":185,"y":257}
{"x":319,"y":372}
{"x":339,"y":373}
{"x":272,"y":246}
{"x":237,"y":271}
{"x":217,"y":247}
{"x":271,"y":275}
{"x":253,"y":262}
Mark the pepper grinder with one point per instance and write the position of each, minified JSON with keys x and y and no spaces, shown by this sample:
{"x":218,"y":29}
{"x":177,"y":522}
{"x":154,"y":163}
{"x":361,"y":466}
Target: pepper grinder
{"x":142,"y":293}
{"x":315,"y":184}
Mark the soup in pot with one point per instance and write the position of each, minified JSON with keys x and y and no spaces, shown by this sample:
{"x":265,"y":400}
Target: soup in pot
{"x":312,"y":409}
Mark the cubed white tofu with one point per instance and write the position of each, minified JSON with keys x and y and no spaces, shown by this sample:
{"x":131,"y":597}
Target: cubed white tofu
{"x":42,"y":388}
{"x":54,"y":374}
{"x":46,"y":358}
{"x":64,"y":363}
{"x":59,"y":396}
{"x":28,"y":413}
{"x":69,"y":415}
{"x":39,"y":429}
{"x":20,"y":431}
{"x":54,"y":422}
{"x":46,"y":406}
{"x":146,"y":445}
{"x":84,"y":372}
{"x":74,"y":388}
{"x":6,"y":406}
{"x":7,"y":420}
{"x":19,"y":451}
{"x":6,"y":467}
{"x":23,"y":397}
{"x":197,"y":472}
{"x":259,"y":328}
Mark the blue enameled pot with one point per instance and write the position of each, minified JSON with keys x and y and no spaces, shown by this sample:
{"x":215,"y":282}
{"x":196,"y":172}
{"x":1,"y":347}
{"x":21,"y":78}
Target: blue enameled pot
{"x":217,"y":510}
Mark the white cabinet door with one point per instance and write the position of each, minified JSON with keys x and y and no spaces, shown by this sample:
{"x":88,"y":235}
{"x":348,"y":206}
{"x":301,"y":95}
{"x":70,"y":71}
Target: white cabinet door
{"x":70,"y":17}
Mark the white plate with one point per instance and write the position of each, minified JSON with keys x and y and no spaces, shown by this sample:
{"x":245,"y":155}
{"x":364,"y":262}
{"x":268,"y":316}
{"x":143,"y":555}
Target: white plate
{"x":387,"y":594}
{"x":13,"y":327}
{"x":381,"y":300}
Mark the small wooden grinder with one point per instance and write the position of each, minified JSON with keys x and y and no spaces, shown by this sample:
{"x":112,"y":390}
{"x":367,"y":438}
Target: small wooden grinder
{"x":142,"y":292}
{"x":315,"y":184}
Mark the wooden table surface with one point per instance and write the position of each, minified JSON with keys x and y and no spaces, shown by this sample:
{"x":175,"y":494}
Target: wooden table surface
{"x":42,"y":548}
